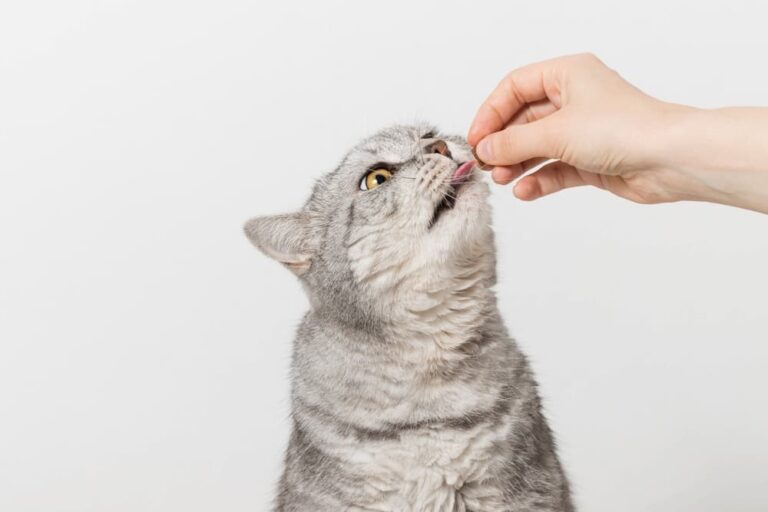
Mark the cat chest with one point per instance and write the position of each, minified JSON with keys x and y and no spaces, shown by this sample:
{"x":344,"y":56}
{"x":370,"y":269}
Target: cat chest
{"x":428,"y":471}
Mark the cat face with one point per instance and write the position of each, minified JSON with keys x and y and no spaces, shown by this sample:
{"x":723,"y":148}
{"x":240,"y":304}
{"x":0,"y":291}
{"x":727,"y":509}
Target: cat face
{"x":405,"y":207}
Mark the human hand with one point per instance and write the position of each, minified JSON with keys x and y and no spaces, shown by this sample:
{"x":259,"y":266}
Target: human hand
{"x":604,"y":131}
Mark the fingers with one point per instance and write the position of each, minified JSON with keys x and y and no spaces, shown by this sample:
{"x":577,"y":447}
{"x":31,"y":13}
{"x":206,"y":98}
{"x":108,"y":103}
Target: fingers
{"x":533,"y":112}
{"x":506,"y":175}
{"x":550,"y":179}
{"x":558,"y":176}
{"x":522,"y":86}
{"x":520,"y":142}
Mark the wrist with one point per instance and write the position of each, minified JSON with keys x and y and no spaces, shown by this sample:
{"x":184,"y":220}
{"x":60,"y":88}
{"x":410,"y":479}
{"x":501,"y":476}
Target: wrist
{"x":713,"y":155}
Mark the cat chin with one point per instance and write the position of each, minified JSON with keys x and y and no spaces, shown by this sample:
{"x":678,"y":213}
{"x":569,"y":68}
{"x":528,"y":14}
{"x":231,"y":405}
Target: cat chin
{"x":470,"y":216}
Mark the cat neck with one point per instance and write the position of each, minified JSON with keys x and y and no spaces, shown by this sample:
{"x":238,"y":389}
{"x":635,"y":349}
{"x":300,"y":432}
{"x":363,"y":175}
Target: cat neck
{"x":444,"y":306}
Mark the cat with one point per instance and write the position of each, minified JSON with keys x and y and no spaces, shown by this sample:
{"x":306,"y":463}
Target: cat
{"x":408,"y":394}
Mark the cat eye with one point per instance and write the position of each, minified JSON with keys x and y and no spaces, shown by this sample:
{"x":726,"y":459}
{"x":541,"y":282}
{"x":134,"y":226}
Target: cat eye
{"x":374,"y":178}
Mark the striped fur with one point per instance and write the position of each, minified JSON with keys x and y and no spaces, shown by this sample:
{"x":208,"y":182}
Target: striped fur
{"x":407,"y":392}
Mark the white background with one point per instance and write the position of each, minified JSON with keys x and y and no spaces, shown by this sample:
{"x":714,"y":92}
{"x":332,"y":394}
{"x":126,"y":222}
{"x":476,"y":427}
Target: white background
{"x":144,"y":344}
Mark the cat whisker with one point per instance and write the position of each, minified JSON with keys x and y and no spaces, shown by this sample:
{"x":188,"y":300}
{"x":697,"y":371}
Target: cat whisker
{"x":450,"y":196}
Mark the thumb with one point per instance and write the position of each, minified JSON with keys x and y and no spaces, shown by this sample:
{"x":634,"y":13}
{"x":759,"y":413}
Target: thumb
{"x":519,"y":142}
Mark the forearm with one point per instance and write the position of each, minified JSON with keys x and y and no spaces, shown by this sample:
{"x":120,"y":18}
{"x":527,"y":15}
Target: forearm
{"x":718,"y":156}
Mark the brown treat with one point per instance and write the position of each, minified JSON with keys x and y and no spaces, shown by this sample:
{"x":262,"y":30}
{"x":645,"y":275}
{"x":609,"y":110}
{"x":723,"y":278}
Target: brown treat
{"x":482,"y":165}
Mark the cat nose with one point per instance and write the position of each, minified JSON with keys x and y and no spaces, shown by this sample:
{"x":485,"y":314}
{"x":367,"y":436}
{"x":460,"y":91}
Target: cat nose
{"x":438,"y":147}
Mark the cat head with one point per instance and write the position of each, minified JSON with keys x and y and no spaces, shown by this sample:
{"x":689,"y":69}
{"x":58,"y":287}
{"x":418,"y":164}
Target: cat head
{"x":403,"y":214}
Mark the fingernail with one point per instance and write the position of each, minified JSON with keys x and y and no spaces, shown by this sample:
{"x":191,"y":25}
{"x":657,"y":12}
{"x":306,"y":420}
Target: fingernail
{"x":482,"y":165}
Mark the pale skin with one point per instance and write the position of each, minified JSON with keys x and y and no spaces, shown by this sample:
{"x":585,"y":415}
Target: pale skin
{"x":608,"y":134}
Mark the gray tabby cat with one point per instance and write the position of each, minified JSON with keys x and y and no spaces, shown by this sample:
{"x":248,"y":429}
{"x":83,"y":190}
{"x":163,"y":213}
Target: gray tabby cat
{"x":408,"y":394}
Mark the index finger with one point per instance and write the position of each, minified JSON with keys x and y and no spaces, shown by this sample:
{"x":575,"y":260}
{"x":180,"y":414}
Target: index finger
{"x":520,"y":87}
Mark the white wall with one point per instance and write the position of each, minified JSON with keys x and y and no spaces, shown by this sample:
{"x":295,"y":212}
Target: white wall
{"x":144,"y":343}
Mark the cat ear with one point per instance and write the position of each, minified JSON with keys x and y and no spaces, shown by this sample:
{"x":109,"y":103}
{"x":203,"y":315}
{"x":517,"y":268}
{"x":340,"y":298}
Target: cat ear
{"x":284,"y":238}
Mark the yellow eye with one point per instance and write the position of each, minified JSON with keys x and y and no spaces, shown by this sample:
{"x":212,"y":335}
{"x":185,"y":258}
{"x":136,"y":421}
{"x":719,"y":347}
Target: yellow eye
{"x":375,"y":178}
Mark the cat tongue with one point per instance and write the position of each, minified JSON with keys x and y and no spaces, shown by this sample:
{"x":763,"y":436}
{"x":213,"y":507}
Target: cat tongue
{"x":462,"y":171}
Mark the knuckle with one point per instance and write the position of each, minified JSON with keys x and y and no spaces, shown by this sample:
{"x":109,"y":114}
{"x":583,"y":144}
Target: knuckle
{"x":586,"y":59}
